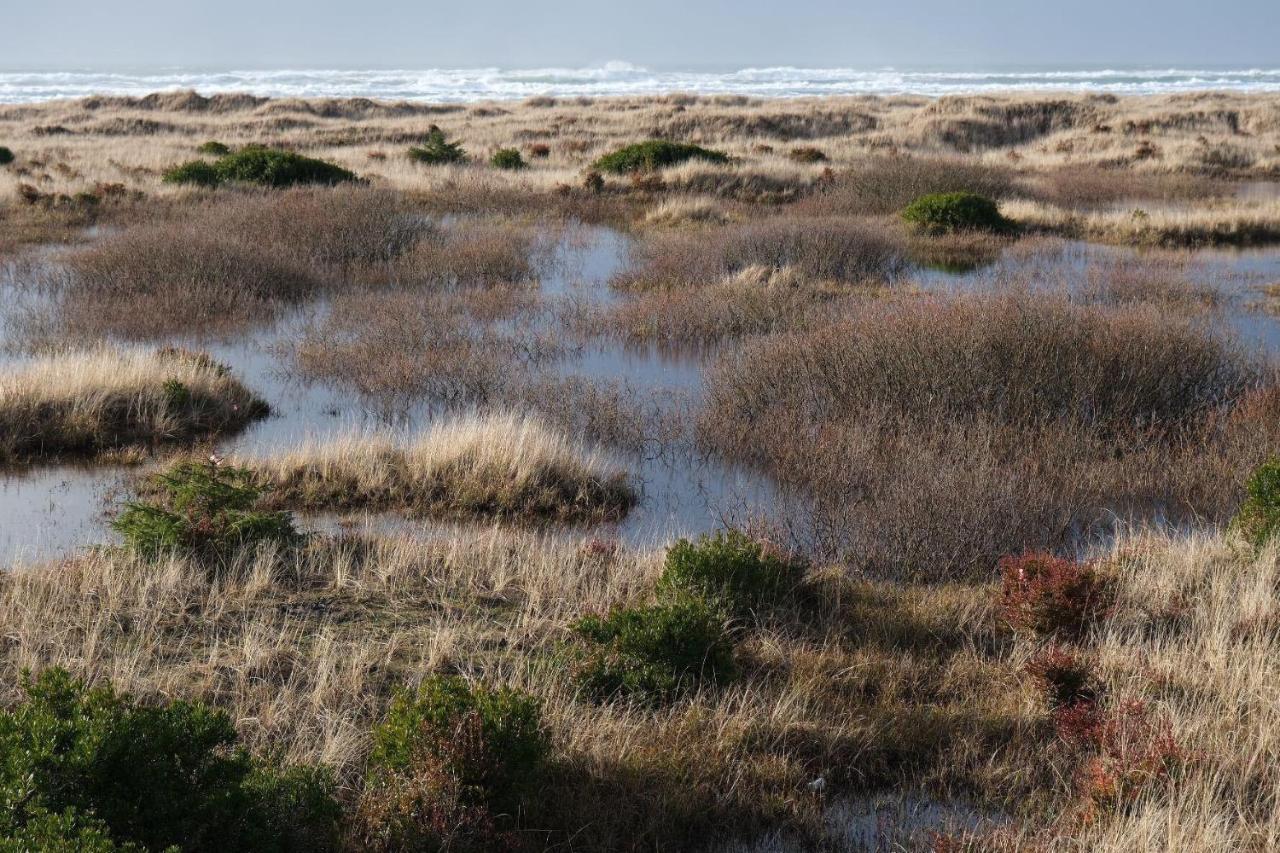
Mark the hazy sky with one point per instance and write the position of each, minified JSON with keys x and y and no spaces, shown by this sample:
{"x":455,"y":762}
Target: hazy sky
{"x":659,"y":33}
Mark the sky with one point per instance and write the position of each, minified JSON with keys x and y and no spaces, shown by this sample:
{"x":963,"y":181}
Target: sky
{"x":686,"y":34}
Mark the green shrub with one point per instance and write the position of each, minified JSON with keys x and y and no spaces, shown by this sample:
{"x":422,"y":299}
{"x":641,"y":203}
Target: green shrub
{"x":217,"y":149}
{"x":1259,"y":517}
{"x":507,"y":158}
{"x":729,"y":566}
{"x":424,"y":721}
{"x":198,"y":172}
{"x":654,"y":154}
{"x":653,"y":652}
{"x":255,"y":164}
{"x":202,"y":510}
{"x":450,"y":768}
{"x":437,"y":150}
{"x":89,"y":769}
{"x":945,"y":213}
{"x":6,"y":155}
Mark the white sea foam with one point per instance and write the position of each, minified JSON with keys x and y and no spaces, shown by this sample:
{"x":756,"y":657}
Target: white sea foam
{"x":621,"y":78}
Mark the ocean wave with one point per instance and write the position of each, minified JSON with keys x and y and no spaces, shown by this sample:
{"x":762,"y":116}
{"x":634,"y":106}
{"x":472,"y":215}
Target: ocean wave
{"x":622,"y":78}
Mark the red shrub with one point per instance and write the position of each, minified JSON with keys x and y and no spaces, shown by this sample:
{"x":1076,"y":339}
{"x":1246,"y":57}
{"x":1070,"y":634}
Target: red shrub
{"x":1066,"y":678}
{"x":1134,"y":750}
{"x":1049,"y":594}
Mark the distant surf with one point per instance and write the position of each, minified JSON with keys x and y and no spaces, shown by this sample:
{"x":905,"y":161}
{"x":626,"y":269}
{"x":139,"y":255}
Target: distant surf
{"x":620,"y":78}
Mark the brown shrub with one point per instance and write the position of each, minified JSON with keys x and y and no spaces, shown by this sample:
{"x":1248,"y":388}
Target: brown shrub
{"x":1048,"y":594}
{"x":883,"y":185}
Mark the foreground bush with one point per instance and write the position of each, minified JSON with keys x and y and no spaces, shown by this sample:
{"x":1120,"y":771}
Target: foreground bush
{"x":256,"y":164}
{"x":89,"y":769}
{"x":654,"y":154}
{"x":731,"y":567}
{"x":1259,"y":517}
{"x":1048,"y":594}
{"x":205,"y":511}
{"x":450,"y":768}
{"x":654,"y":652}
{"x":6,"y":155}
{"x":946,"y":213}
{"x":89,"y":402}
{"x":437,"y":150}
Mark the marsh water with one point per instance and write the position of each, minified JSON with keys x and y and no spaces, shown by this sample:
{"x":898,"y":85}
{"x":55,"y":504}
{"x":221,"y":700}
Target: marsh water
{"x":48,"y":511}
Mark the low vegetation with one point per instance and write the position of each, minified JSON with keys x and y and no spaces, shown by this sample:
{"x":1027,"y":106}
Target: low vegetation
{"x":261,"y":166}
{"x":6,"y":155}
{"x":654,"y":154}
{"x":1259,"y":516}
{"x":90,"y":402}
{"x":947,"y":213}
{"x":507,"y":158}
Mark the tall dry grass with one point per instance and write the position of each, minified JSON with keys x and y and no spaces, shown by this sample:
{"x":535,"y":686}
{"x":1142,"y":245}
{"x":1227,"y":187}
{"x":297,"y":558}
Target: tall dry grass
{"x":491,"y":466}
{"x":87,"y":402}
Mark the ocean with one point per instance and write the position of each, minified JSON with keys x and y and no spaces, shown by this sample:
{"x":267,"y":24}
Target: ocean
{"x":620,"y":78}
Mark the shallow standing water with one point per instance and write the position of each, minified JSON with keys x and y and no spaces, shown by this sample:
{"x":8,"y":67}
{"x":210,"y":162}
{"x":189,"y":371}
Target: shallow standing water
{"x":50,"y":511}
{"x":47,"y":512}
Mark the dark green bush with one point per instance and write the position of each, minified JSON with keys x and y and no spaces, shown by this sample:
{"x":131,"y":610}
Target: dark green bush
{"x":6,"y":155}
{"x":437,"y":150}
{"x":204,"y":511}
{"x":450,"y":769}
{"x":217,"y":149}
{"x":654,"y":154}
{"x":1259,"y":517}
{"x":653,"y":652}
{"x":255,"y":164}
{"x":424,"y":720}
{"x":945,"y":213}
{"x":507,"y":158}
{"x":198,"y":172}
{"x":729,"y":566}
{"x":89,"y":769}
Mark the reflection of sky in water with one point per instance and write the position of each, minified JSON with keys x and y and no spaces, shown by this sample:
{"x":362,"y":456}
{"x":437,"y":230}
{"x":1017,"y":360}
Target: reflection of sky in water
{"x":49,"y":511}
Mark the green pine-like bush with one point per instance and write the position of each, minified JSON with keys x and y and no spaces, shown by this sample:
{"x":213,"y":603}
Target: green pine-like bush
{"x":946,"y":213}
{"x":729,"y":566}
{"x":653,"y":653}
{"x":437,"y":150}
{"x":89,"y":769}
{"x":1259,"y":517}
{"x":256,"y":164}
{"x":6,"y":155}
{"x":507,"y":158}
{"x":654,"y":154}
{"x":204,"y":511}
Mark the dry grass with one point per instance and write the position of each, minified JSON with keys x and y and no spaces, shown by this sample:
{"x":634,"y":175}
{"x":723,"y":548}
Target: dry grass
{"x":88,"y":402}
{"x":928,"y":437}
{"x":491,"y":466}
{"x":1236,"y":223}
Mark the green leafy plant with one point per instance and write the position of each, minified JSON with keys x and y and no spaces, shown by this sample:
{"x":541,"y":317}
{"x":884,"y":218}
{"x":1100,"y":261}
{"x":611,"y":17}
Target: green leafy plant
{"x":217,"y":149}
{"x":450,"y":768}
{"x":198,"y":172}
{"x":6,"y":155}
{"x":86,"y":768}
{"x":202,"y":510}
{"x":256,"y":164}
{"x":1259,"y":517}
{"x":945,"y":213}
{"x":654,"y":652}
{"x":730,"y":566}
{"x":654,"y":154}
{"x":507,"y":158}
{"x":437,"y":150}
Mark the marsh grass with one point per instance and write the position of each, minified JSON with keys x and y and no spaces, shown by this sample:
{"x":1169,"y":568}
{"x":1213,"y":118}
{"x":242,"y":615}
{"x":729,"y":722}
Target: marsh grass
{"x":493,"y":466}
{"x":91,"y":402}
